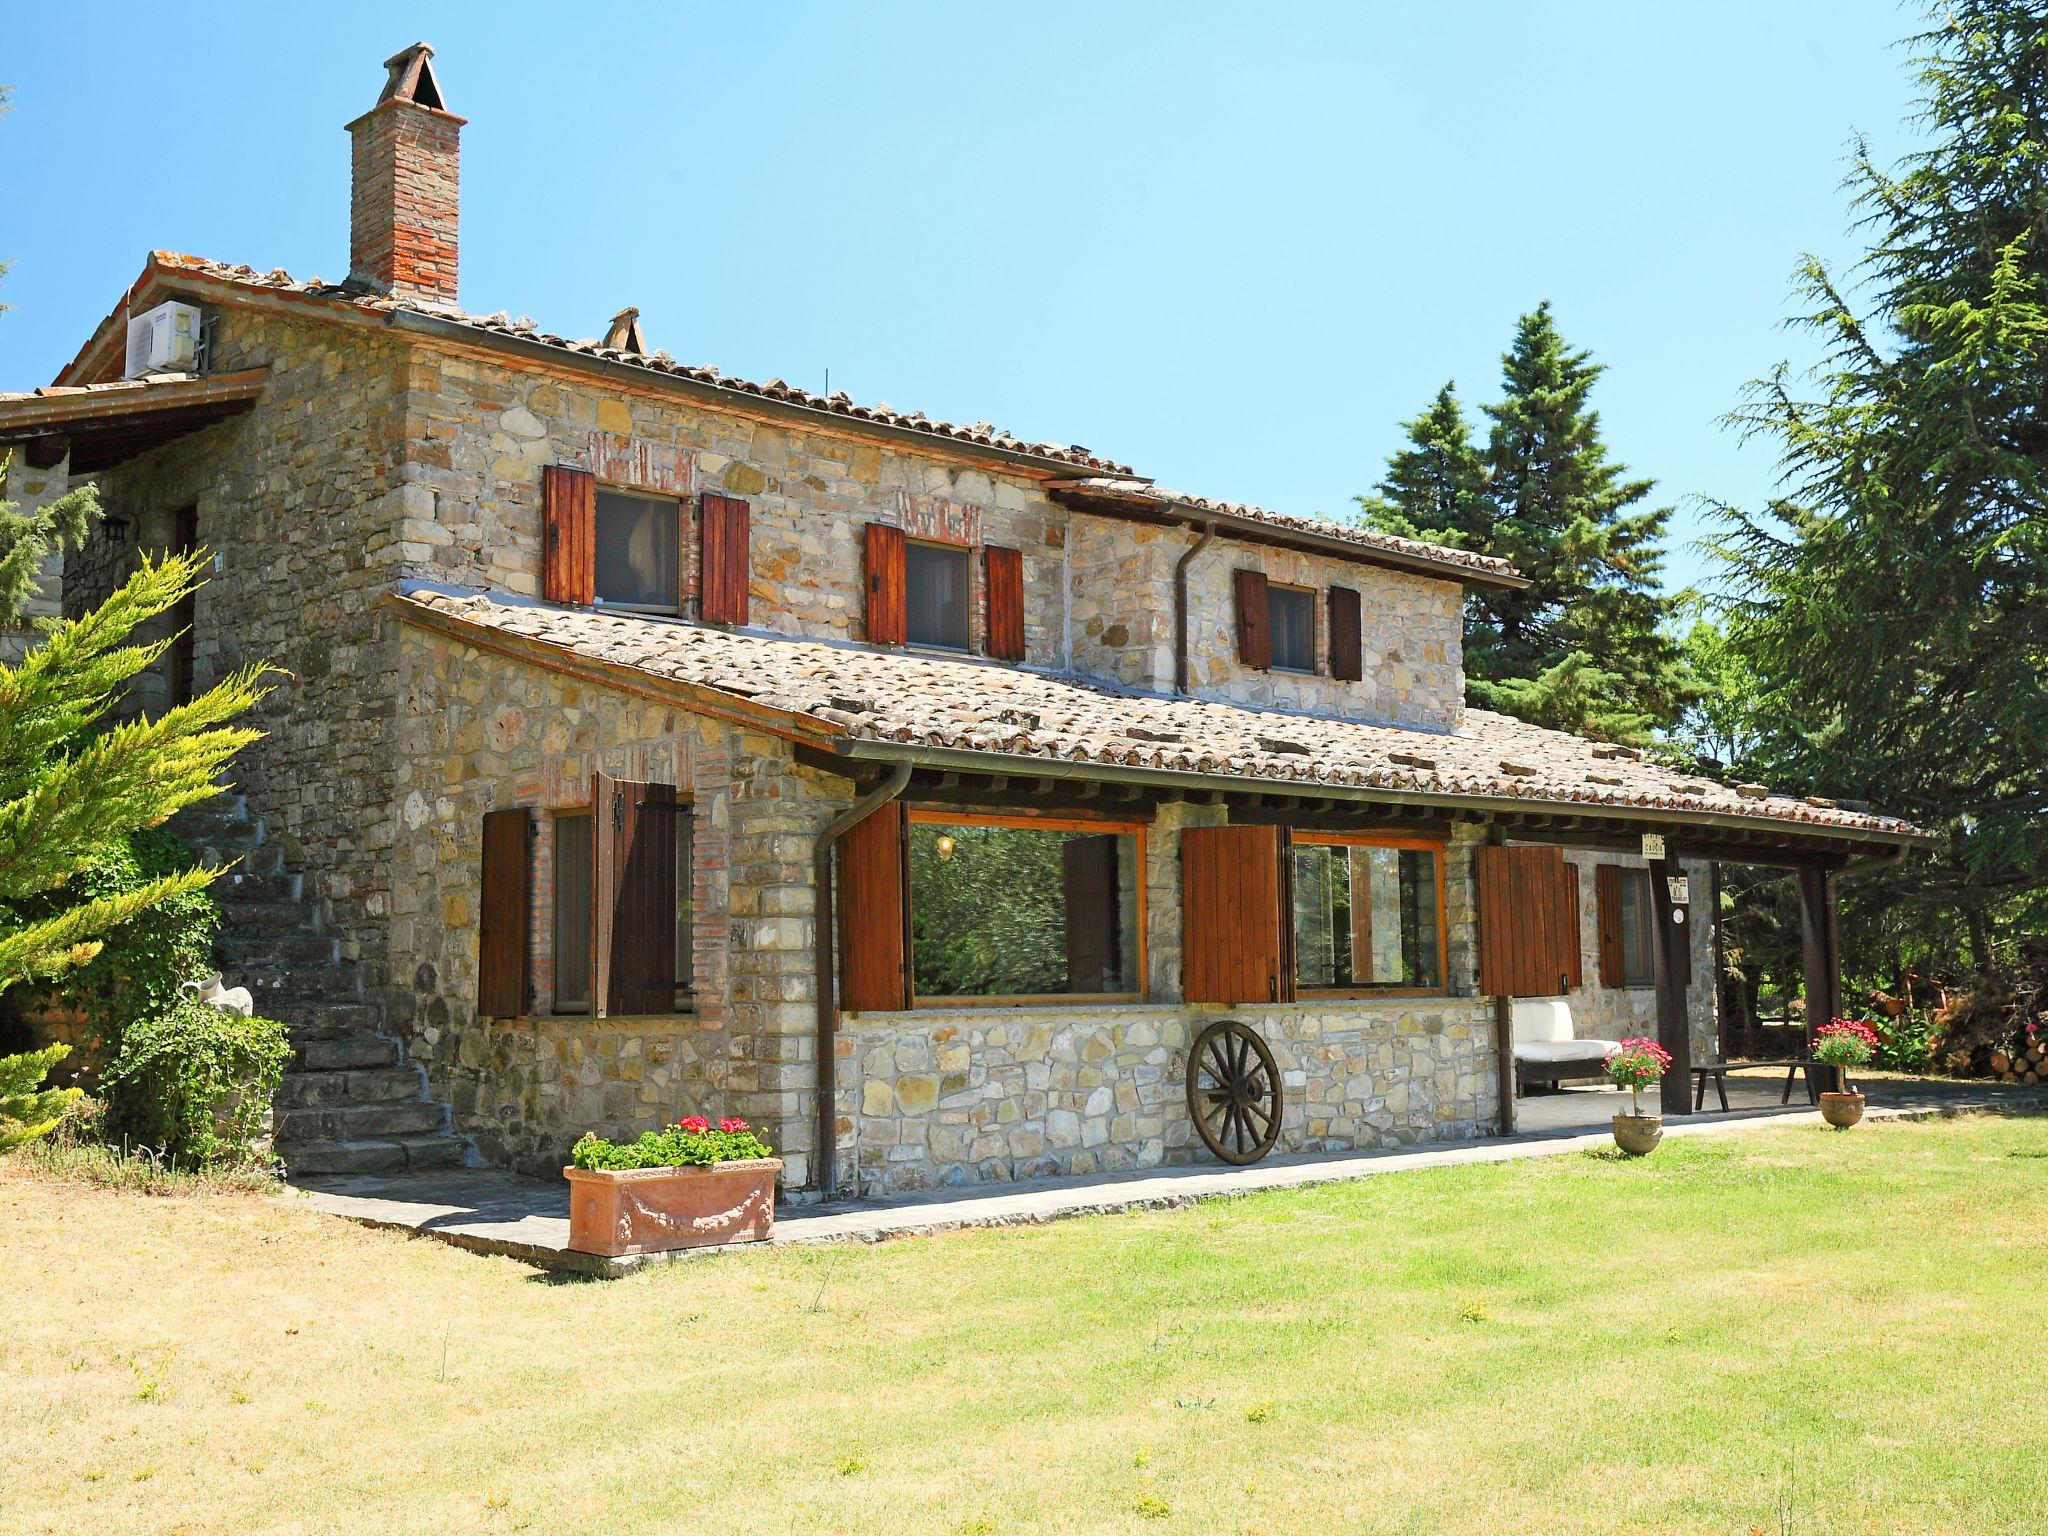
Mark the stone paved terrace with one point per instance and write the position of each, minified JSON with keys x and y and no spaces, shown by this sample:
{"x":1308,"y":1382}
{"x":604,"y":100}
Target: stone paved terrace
{"x":489,"y":1211}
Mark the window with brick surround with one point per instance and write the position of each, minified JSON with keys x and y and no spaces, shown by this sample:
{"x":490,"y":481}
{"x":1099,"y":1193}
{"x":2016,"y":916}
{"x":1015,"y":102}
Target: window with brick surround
{"x":1292,"y":620}
{"x":937,"y":581}
{"x":580,"y":892}
{"x":636,"y":540}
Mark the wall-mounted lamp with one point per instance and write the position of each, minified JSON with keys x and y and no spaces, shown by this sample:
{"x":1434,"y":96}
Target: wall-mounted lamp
{"x":945,"y":845}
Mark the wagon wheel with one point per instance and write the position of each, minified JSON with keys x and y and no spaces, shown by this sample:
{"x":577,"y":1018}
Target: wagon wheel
{"x":1234,"y":1092}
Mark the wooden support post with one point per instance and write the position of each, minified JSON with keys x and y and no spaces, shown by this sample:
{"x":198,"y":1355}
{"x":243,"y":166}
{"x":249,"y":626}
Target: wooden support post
{"x":1503,"y":1025}
{"x":1819,"y":948}
{"x":1674,"y":1029}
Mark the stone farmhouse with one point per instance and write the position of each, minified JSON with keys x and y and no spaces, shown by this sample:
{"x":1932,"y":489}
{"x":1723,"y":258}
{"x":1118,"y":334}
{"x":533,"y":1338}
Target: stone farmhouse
{"x":659,"y":742}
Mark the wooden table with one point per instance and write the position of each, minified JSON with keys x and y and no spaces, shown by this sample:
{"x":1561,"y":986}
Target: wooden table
{"x":1719,"y":1070}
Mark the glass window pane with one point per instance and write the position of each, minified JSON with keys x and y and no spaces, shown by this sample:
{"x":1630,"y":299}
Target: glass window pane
{"x":1365,"y":917}
{"x":572,"y":912}
{"x":1638,"y":928}
{"x":936,"y":590}
{"x":1292,"y":614}
{"x":685,"y":960}
{"x":636,"y":550}
{"x":1021,"y":911}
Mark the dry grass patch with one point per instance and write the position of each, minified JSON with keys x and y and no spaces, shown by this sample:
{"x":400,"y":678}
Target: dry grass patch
{"x":1573,"y":1345}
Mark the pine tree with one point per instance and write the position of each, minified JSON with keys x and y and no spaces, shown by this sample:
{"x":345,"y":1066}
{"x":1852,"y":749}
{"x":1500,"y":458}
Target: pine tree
{"x":28,"y":1110}
{"x":1587,"y":646}
{"x":1894,"y":601}
{"x":1435,"y":488}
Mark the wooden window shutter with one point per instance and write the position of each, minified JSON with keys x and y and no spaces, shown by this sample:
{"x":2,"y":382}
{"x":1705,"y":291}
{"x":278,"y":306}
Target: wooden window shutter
{"x":1005,"y":569}
{"x":873,"y":918}
{"x":1233,"y":930}
{"x":1607,"y":905}
{"x":569,"y":534}
{"x":1347,"y":641}
{"x":726,"y":568}
{"x":1254,"y":620}
{"x":1527,"y":926}
{"x":888,"y":619}
{"x":633,"y":896}
{"x":503,"y":915}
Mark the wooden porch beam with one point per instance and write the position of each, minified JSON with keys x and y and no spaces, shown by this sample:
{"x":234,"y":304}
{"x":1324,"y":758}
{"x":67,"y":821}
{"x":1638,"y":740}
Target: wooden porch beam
{"x":1668,"y":960}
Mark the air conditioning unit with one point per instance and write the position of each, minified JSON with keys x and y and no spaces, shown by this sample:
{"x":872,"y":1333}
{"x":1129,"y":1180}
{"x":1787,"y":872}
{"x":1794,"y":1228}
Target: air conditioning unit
{"x":166,"y":340}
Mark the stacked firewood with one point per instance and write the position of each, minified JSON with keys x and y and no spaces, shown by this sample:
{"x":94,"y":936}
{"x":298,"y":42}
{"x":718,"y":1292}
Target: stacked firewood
{"x":2026,"y":1063}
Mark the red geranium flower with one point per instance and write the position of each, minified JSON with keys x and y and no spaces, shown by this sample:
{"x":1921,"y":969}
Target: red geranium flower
{"x":731,"y":1125}
{"x":696,"y":1125}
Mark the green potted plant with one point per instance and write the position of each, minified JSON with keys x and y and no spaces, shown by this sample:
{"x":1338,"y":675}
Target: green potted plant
{"x":1640,"y":1063}
{"x":690,"y":1186}
{"x":1842,"y":1044}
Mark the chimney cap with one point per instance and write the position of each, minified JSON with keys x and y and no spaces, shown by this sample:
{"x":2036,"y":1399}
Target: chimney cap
{"x":410,"y":77}
{"x":623,"y":335}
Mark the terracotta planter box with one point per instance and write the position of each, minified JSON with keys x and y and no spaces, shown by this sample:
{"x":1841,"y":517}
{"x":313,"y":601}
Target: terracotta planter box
{"x":653,"y":1210}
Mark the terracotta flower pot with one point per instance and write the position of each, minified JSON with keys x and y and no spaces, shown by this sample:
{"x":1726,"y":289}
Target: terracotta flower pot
{"x":1841,"y":1110}
{"x":653,"y":1210}
{"x":1638,"y":1135}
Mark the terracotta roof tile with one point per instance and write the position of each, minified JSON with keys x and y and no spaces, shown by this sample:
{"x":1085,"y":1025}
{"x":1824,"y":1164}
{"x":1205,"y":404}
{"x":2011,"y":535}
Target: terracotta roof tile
{"x":968,"y":704}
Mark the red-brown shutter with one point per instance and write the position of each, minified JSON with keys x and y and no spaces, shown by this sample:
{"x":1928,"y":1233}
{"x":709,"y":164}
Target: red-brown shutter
{"x":569,"y":534}
{"x":1005,"y":603}
{"x":1254,"y":619}
{"x":725,"y":569}
{"x":1527,"y":928}
{"x":1347,"y":653}
{"x":1607,"y":910}
{"x":1089,"y":882}
{"x":1233,"y":933}
{"x":633,"y":896}
{"x":872,"y":915}
{"x":503,"y":915}
{"x":888,"y":620}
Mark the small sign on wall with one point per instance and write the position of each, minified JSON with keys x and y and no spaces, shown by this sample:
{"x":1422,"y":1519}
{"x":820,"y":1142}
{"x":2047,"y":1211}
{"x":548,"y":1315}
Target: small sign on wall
{"x":1681,"y":890}
{"x":1653,"y":845}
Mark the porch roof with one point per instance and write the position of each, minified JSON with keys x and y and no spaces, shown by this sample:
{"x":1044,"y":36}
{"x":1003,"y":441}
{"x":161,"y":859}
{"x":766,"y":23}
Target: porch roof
{"x":101,"y":424}
{"x":980,"y":716}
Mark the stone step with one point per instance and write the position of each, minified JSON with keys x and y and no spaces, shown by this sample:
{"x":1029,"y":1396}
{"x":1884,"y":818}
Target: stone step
{"x":318,"y":1018}
{"x":360,"y":1122}
{"x":280,"y":990}
{"x":239,"y":951}
{"x":383,"y":1154}
{"x":238,"y":886}
{"x":268,"y":919}
{"x":341,"y":1053}
{"x":307,"y":1089}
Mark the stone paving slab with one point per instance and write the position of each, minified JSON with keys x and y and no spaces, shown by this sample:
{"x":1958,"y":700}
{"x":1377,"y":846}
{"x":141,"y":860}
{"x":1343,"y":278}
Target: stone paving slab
{"x":490,"y":1211}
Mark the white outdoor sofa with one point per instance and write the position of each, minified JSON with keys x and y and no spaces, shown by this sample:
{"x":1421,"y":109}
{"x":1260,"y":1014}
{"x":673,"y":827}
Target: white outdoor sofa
{"x":1546,"y":1050}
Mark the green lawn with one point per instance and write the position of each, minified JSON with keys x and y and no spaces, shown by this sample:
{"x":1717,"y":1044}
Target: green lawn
{"x":1789,"y":1329}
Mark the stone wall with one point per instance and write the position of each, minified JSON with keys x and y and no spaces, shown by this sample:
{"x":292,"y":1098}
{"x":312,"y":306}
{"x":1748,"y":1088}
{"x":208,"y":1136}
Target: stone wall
{"x":937,"y":1097}
{"x":299,"y":501}
{"x":478,"y":732}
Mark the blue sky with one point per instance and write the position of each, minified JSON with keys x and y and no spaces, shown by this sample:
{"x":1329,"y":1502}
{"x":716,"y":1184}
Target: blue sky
{"x":1232,"y":246}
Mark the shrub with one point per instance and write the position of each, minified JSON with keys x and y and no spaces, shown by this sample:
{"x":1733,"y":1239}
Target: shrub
{"x":27,"y":1109}
{"x":690,"y":1143}
{"x":1906,"y":1043}
{"x":195,"y":1081}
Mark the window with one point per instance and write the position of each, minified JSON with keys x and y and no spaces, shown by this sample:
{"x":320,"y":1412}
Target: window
{"x":572,"y":912}
{"x":935,"y":582}
{"x":1292,"y":615}
{"x":636,"y":551}
{"x":1638,"y":930}
{"x":1367,"y":914}
{"x":1013,"y":907}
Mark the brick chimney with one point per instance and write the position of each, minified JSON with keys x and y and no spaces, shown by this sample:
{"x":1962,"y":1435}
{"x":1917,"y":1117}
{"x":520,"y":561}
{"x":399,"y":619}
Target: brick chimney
{"x":405,"y":172}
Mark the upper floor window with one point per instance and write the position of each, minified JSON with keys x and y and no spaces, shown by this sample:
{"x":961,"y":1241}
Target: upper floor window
{"x":936,"y":596}
{"x":636,"y":551}
{"x":1292,"y":615}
